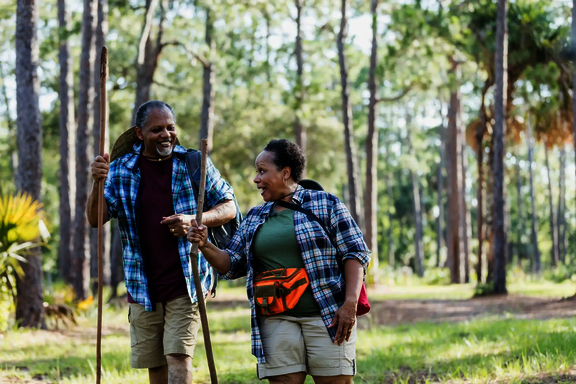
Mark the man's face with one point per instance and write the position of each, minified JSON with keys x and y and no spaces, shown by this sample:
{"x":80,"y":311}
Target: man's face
{"x":159,"y":134}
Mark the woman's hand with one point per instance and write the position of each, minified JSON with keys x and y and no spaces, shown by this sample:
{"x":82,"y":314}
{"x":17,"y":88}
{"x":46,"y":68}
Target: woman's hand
{"x":345,"y":318}
{"x":197,"y":234}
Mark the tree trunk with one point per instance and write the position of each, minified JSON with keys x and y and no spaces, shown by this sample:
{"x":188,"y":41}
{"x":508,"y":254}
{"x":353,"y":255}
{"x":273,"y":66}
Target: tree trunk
{"x":574,"y":71}
{"x":101,"y":35}
{"x":351,"y":159}
{"x":440,"y":192}
{"x":501,"y":66}
{"x":465,"y":212}
{"x":11,"y":147}
{"x":553,"y":230}
{"x":371,"y":196}
{"x":67,"y":150}
{"x":207,"y":116}
{"x":521,"y":224}
{"x":391,"y":258}
{"x":417,"y":209}
{"x":299,"y":129}
{"x":536,"y":266}
{"x":480,"y":131}
{"x":84,"y":153}
{"x":147,"y":59}
{"x":454,"y":164}
{"x":562,"y":207}
{"x":29,"y":295}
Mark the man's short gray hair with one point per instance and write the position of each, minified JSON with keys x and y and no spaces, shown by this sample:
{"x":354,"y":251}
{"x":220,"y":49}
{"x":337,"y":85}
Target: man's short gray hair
{"x":145,"y":109}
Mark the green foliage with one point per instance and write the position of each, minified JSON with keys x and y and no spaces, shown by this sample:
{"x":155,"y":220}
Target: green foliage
{"x":20,"y":228}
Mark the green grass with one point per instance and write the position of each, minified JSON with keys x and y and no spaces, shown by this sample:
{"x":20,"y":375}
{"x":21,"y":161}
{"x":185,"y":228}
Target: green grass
{"x":485,"y":350}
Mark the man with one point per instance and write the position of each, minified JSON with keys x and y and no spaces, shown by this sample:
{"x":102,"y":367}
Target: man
{"x":148,"y":189}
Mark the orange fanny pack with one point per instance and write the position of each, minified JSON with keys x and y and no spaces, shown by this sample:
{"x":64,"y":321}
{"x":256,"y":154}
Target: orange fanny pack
{"x":278,"y":290}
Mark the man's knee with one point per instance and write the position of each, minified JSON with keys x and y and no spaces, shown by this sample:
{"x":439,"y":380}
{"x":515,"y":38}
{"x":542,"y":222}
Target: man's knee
{"x":179,"y":368}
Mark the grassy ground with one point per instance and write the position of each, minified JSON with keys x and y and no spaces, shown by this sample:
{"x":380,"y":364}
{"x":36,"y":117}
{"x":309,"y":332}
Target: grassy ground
{"x":492,"y":349}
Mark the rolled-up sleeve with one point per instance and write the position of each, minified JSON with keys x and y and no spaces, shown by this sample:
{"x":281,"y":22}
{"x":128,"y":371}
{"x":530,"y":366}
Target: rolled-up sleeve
{"x":217,"y":189}
{"x":237,"y":249}
{"x":348,"y":236}
{"x":110,"y":195}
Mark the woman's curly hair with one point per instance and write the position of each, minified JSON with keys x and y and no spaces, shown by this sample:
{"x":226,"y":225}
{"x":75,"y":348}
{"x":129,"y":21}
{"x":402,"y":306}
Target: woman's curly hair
{"x":287,"y":154}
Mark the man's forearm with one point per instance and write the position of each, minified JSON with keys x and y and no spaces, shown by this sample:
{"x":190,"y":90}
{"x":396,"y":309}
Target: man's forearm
{"x":92,"y":207}
{"x":220,"y":214}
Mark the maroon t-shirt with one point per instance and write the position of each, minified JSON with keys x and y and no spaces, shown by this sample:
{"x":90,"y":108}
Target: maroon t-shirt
{"x":159,"y":245}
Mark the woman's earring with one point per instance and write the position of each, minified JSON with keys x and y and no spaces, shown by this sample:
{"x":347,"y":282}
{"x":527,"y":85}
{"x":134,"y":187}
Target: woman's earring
{"x":284,"y":181}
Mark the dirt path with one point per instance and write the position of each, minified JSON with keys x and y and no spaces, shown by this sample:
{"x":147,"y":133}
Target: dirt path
{"x":396,"y":312}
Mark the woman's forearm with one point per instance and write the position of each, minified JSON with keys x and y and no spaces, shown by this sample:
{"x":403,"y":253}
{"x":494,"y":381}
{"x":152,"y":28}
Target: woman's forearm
{"x":354,"y":275}
{"x":217,"y":258}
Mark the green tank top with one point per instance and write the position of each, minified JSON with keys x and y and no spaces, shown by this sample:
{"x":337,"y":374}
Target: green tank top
{"x":275,"y":247}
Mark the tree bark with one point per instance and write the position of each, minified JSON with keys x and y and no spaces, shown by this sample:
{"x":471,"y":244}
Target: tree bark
{"x":521,"y":224}
{"x":417,"y":210}
{"x":536,"y":266}
{"x":351,"y":159}
{"x":454,"y":167}
{"x":480,"y":131}
{"x":67,"y":150}
{"x":553,"y":229}
{"x":501,"y":66}
{"x":147,"y":59}
{"x":440,"y":192}
{"x":207,"y":116}
{"x":29,"y":295}
{"x":562,"y":207}
{"x":574,"y":70}
{"x":465,"y":212}
{"x":84,"y":153}
{"x":11,"y":147}
{"x":371,"y":196}
{"x":299,"y":129}
{"x":101,"y":35}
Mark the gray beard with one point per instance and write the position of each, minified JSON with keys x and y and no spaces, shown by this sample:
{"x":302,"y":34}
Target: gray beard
{"x":165,"y":152}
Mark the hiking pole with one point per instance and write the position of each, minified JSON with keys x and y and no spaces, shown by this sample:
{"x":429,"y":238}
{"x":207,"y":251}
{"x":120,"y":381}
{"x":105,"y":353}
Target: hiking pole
{"x":196,"y":275}
{"x":103,"y":120}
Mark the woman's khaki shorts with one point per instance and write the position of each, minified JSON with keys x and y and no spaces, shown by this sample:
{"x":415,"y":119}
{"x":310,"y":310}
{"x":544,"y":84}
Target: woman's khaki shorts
{"x":171,"y":329}
{"x":302,"y":344}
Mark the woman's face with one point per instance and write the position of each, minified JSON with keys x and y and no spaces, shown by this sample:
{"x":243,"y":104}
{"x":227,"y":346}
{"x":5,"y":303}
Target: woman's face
{"x":269,"y":179}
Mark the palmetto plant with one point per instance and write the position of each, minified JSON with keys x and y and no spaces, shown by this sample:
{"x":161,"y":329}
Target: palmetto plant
{"x":21,"y":228}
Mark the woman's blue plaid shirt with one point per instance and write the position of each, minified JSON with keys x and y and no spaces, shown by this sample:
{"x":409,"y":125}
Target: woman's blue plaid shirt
{"x":320,"y":257}
{"x":121,"y":193}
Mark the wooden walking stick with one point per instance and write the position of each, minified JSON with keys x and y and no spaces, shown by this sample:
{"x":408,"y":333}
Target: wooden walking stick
{"x":195,"y":273}
{"x":103,"y":121}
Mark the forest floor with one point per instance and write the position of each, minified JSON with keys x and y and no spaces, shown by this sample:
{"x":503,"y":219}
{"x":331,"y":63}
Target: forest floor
{"x":418,"y":338}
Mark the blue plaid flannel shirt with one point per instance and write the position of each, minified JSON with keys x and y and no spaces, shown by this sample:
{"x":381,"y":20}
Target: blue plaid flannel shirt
{"x":121,"y":191}
{"x":320,"y":257}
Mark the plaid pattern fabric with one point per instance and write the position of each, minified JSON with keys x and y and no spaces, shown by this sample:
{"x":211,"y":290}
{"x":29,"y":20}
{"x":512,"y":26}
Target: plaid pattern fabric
{"x":122,"y":194}
{"x":320,"y":257}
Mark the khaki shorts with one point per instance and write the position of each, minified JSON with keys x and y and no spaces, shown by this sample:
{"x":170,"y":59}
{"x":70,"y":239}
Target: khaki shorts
{"x":171,"y":329}
{"x":302,"y":344}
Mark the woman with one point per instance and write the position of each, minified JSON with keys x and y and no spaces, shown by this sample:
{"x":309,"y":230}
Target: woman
{"x":317,"y":336}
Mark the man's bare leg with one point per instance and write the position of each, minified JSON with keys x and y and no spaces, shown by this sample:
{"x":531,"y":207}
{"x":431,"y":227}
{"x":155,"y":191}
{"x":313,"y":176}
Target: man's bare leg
{"x":291,"y":378}
{"x":158,"y":375}
{"x":342,"y":379}
{"x":179,"y":369}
